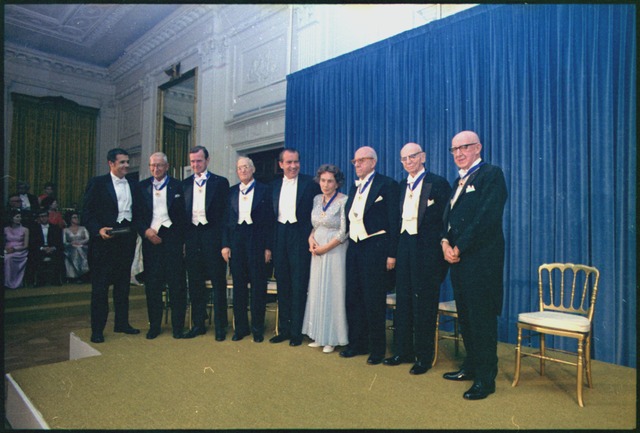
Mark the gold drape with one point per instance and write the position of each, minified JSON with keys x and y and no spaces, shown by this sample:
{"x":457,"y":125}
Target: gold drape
{"x":176,"y":145}
{"x":53,"y":139}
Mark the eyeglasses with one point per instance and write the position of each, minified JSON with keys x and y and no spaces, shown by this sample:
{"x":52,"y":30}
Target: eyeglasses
{"x":360,"y":160}
{"x":157,"y":165}
{"x":462,"y":147}
{"x":243,"y":167}
{"x":411,"y":157}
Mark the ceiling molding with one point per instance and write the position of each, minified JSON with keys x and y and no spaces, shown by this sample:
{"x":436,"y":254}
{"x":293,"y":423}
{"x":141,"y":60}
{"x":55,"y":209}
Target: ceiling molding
{"x":162,"y":33}
{"x":41,"y":60}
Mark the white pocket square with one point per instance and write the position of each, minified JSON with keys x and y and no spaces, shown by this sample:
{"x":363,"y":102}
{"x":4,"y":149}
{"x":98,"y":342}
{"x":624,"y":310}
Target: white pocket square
{"x":378,"y":199}
{"x":176,"y":196}
{"x":430,"y":202}
{"x":470,"y":188}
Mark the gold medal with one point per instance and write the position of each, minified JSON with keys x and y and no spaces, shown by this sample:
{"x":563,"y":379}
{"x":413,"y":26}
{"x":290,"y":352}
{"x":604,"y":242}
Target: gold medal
{"x":322,"y":214}
{"x":157,"y":193}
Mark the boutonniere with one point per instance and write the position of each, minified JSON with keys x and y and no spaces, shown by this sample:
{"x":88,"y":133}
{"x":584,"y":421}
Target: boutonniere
{"x":470,"y":188}
{"x":430,"y":202}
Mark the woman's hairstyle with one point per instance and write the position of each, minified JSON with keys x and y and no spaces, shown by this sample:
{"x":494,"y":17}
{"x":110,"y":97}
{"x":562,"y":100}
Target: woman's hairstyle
{"x":333,"y":169}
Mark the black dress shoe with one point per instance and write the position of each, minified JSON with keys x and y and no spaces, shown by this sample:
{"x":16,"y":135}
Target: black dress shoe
{"x":221,"y":335}
{"x":153,"y":333}
{"x":97,"y":337}
{"x":396,"y":360}
{"x":375,"y":360}
{"x":350,"y":353}
{"x":194,"y":332}
{"x":459,"y":375}
{"x":479,"y":390}
{"x":420,"y":367}
{"x":237,"y":336}
{"x":258,"y":338}
{"x":178,"y":335}
{"x":279,"y":338}
{"x":127,"y":330}
{"x":295,"y":341}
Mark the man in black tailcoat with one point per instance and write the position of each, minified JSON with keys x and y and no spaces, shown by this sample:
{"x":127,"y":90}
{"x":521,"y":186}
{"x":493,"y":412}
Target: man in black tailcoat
{"x":161,"y":223}
{"x":292,"y":203}
{"x":107,"y":213}
{"x":420,"y":267}
{"x":473,"y":244}
{"x":206,"y":196}
{"x":372,"y":220}
{"x":246,"y":246}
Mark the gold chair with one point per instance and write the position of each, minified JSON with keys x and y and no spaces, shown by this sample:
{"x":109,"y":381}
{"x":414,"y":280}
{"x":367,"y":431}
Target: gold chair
{"x":567,"y":298}
{"x":448,"y":309}
{"x":272,"y":289}
{"x":391,"y":305}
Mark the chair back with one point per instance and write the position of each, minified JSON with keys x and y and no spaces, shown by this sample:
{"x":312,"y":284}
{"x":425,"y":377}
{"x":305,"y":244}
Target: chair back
{"x":568,"y":288}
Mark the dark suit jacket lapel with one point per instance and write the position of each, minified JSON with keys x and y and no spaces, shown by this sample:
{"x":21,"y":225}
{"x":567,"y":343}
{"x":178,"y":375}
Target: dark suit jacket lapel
{"x":110,"y":189}
{"x":148,"y":194}
{"x":233,"y":199}
{"x":277,"y":187}
{"x":210,"y":186}
{"x":302,"y":184}
{"x":257,"y":195}
{"x":424,"y":200}
{"x":188,"y":196}
{"x":374,"y":190}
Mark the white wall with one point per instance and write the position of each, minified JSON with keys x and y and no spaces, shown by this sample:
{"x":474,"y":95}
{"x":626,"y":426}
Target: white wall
{"x":243,"y":54}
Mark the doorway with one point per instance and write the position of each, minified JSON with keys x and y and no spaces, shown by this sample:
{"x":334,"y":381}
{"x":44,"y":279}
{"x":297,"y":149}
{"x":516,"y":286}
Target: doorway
{"x":266,"y":163}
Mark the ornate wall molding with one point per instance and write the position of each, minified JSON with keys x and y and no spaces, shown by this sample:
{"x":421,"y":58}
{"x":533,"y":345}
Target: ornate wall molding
{"x":35,"y":59}
{"x":149,"y":44}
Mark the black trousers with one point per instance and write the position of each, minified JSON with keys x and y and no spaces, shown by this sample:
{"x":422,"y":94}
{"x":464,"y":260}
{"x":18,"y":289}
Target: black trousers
{"x":366,"y":294}
{"x":204,"y":262}
{"x":164,"y":267}
{"x":248,"y":266}
{"x":292,"y":261}
{"x":417,"y":298}
{"x":110,"y":263}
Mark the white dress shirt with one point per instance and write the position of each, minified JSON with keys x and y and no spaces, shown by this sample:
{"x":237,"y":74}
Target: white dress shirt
{"x":410,"y":205}
{"x":123,"y":194}
{"x":357,"y":231}
{"x":199,"y":210}
{"x":160,"y":211}
{"x":244,"y":203}
{"x":287,"y":203}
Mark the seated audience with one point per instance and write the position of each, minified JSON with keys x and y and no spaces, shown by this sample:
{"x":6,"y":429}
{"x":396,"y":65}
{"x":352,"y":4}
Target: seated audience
{"x":50,"y":204}
{"x":45,"y":248}
{"x":49,"y":191}
{"x":76,"y":247}
{"x":29,"y":201}
{"x":16,"y":251}
{"x":15,"y":203}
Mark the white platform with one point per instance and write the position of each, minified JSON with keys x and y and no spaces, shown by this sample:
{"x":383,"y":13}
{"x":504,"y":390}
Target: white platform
{"x":19,"y":410}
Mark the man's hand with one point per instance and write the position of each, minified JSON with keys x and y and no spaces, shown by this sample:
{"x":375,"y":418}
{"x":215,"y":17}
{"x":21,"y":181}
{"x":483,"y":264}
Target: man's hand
{"x":153,"y":237}
{"x":226,"y":254}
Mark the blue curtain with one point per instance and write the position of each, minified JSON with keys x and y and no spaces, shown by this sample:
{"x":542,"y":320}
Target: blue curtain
{"x":551,"y":91}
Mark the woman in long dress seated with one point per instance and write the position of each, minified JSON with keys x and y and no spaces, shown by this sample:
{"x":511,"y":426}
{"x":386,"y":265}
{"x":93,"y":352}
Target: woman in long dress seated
{"x":76,"y":245}
{"x":325,"y":318}
{"x":16,"y":251}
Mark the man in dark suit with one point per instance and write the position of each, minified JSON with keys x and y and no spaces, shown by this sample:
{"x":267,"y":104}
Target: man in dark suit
{"x":161,"y":221}
{"x":292,"y":203}
{"x":372,"y":216}
{"x":473,"y":244}
{"x":107,"y":213}
{"x":420,"y":267}
{"x":206,"y":196}
{"x":29,"y":201}
{"x":45,"y":246}
{"x":246,"y":246}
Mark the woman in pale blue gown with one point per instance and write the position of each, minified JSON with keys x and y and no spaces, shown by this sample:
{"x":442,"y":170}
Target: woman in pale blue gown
{"x":76,"y":247}
{"x":325,"y":317}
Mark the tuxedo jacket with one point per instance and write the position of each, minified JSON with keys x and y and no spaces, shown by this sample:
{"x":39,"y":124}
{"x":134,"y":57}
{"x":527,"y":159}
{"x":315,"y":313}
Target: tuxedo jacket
{"x":380,"y":210}
{"x":434,"y":198}
{"x":307,"y":190}
{"x":216,"y":202}
{"x":474,"y":225}
{"x":100,"y":204}
{"x":54,"y":238}
{"x":261,"y":215}
{"x":175,"y":205}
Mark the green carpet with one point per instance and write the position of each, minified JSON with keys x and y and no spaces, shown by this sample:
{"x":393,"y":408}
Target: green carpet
{"x":203,"y":384}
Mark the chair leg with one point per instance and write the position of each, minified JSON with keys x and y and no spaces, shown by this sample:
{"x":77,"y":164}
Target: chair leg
{"x":516,"y":375}
{"x":588,"y":361}
{"x":542,"y":352}
{"x":456,"y":333}
{"x":580,"y":372}
{"x":436,"y":340}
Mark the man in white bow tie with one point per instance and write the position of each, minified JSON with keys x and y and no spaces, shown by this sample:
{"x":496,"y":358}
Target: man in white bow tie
{"x":292,"y":204}
{"x":107,"y":213}
{"x":473,"y":244}
{"x":373,"y":224}
{"x":206,"y":198}
{"x":161,"y":223}
{"x":420,"y":267}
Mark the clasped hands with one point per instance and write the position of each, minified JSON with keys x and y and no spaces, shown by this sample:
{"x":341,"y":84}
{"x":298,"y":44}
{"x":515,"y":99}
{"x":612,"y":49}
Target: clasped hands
{"x":451,"y":255}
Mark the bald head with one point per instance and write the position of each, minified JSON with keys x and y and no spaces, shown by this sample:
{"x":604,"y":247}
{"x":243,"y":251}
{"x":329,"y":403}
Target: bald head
{"x":465,"y":148}
{"x":413,"y":158}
